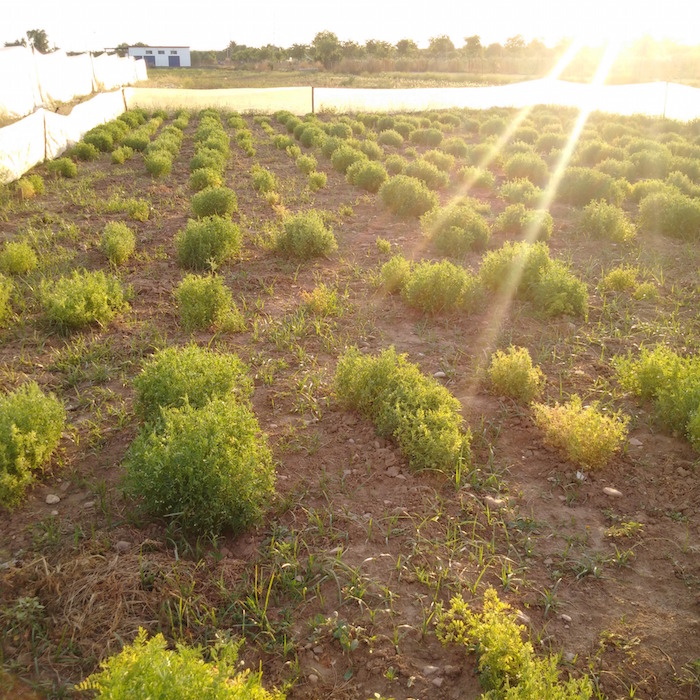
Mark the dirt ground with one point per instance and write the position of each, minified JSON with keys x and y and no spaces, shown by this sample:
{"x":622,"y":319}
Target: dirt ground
{"x":356,"y":547}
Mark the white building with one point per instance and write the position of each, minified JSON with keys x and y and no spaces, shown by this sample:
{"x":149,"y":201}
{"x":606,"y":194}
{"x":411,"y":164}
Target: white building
{"x":163,"y":56}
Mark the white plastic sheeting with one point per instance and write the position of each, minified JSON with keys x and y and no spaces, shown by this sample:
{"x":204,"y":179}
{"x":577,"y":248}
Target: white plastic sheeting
{"x":30,"y":80}
{"x":44,"y":134}
{"x":297,"y":100}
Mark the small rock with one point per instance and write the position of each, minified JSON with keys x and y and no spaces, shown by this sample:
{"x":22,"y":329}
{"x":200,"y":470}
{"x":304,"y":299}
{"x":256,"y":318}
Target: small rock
{"x":580,"y":476}
{"x":122,"y":546}
{"x":682,"y":472}
{"x":634,"y":442}
{"x":54,"y":513}
{"x":548,"y":561}
{"x":88,"y":505}
{"x":494,"y":502}
{"x":352,"y":442}
{"x":437,"y":682}
{"x":430,"y":670}
{"x":610,"y":491}
{"x":393,"y":471}
{"x":313,"y":678}
{"x":566,"y":618}
{"x":318,"y":650}
{"x":451,"y":671}
{"x":439,"y":375}
{"x":225,"y":552}
{"x":569,"y":657}
{"x":52,"y":499}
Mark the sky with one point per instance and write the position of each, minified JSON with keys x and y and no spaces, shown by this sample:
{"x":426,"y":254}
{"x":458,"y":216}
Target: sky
{"x":77,"y":25}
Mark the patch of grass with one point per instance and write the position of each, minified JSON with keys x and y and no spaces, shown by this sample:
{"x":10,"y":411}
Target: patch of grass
{"x":512,"y":374}
{"x":305,"y":236}
{"x":118,"y":242}
{"x":17,"y":258}
{"x":415,"y":410}
{"x":82,"y":299}
{"x":207,"y":243}
{"x":6,"y":290}
{"x":585,"y":435}
{"x":31,"y":424}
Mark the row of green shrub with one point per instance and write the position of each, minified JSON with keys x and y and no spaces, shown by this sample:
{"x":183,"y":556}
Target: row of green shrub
{"x":165,"y":147}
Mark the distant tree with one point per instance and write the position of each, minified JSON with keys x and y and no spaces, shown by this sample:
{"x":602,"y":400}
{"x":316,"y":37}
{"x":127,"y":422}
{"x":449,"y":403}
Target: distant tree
{"x":515,"y":44}
{"x":38,"y":39}
{"x":327,"y":48}
{"x":441,"y":45}
{"x":494,"y":50}
{"x":473,"y":49}
{"x":406,"y":47}
{"x":351,"y":49}
{"x":16,"y":42}
{"x":378,"y":49}
{"x":122,"y":49}
{"x":298,"y":51}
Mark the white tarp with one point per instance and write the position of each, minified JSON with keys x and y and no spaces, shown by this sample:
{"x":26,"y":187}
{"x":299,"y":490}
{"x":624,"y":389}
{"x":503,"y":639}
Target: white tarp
{"x":22,"y":146}
{"x":294,"y":99}
{"x":30,"y":80}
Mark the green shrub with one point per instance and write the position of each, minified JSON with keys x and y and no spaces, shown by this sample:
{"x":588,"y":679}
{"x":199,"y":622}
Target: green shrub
{"x":521,"y":192}
{"x":148,"y":669}
{"x":311,"y":136}
{"x":579,"y":186}
{"x":646,"y":291}
{"x":344,"y":156}
{"x":395,"y":164}
{"x":426,"y":137}
{"x":516,"y":219}
{"x":6,"y":290}
{"x":17,"y":258}
{"x":605,"y":221}
{"x":122,"y":154}
{"x":281,"y":141}
{"x":455,"y":146}
{"x":494,"y":126}
{"x":369,"y":175}
{"x":64,"y":167}
{"x":511,"y":374}
{"x":307,"y":164}
{"x":207,"y":243}
{"x":317,"y":180}
{"x":442,"y":161}
{"x":190,"y":375}
{"x":263,"y":180}
{"x":36,"y":181}
{"x":31,"y":424}
{"x":455,"y":230}
{"x":390,"y":138}
{"x":202,"y":178}
{"x":614,"y":168}
{"x":214,"y":201}
{"x":442,"y":287}
{"x":416,"y":411}
{"x":620,"y":279}
{"x":82,"y":299}
{"x":508,"y":666}
{"x":205,"y":302}
{"x":305,"y":235}
{"x":476,"y":177}
{"x":643,"y":188}
{"x":372,"y":150}
{"x":527,"y":165}
{"x":394,"y":274}
{"x":209,"y":467}
{"x":158,"y":164}
{"x":671,"y":214}
{"x":585,"y":435}
{"x":426,"y":172}
{"x":518,"y":265}
{"x":84,"y":151}
{"x":208,"y":158}
{"x":118,"y":242}
{"x":137,"y":140}
{"x":558,"y":292}
{"x":407,"y":196}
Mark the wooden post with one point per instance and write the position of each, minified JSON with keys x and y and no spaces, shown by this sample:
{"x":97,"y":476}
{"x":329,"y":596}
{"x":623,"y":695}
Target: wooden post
{"x":313,"y":111}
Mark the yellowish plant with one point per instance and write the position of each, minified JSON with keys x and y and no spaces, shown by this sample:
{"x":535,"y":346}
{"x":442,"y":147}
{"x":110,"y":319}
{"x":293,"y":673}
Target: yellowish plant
{"x":512,"y":374}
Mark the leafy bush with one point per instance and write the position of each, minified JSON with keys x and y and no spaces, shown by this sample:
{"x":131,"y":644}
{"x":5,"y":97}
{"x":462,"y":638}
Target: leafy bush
{"x":511,"y":374}
{"x":426,"y":172}
{"x":305,"y":235}
{"x":390,"y":137}
{"x":322,"y":301}
{"x":372,"y":150}
{"x":307,"y":164}
{"x":442,"y":161}
{"x":206,"y":301}
{"x":407,"y":196}
{"x":317,"y":180}
{"x":535,"y":224}
{"x":158,"y":164}
{"x":202,"y":178}
{"x":208,"y":466}
{"x":31,"y":424}
{"x":455,"y":146}
{"x":455,"y":229}
{"x":606,"y":221}
{"x":476,"y":177}
{"x":369,"y":175}
{"x":493,"y":126}
{"x":207,"y":243}
{"x":17,"y":258}
{"x":394,"y":274}
{"x":82,"y":299}
{"x":415,"y":410}
{"x":620,"y":279}
{"x":585,"y":435}
{"x":441,"y":287}
{"x":558,"y":292}
{"x":122,"y":154}
{"x":147,"y":669}
{"x":208,"y":158}
{"x":579,"y":186}
{"x":118,"y":242}
{"x":6,"y":290}
{"x":84,"y":151}
{"x":344,"y":156}
{"x":508,"y":666}
{"x":395,"y":164}
{"x":64,"y":167}
{"x":520,"y":191}
{"x":137,"y":140}
{"x":527,"y":165}
{"x":263,"y":180}
{"x":426,"y":137}
{"x":671,"y":214}
{"x":214,"y":201}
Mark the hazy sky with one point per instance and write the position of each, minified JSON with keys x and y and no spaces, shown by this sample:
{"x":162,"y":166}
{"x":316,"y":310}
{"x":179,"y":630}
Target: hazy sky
{"x":211,"y":24}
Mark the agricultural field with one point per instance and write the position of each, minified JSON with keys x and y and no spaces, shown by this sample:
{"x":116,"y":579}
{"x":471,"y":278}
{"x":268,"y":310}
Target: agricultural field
{"x":353,"y":406}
